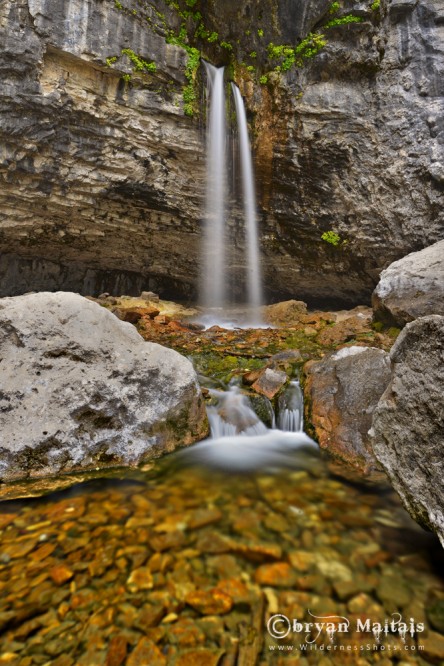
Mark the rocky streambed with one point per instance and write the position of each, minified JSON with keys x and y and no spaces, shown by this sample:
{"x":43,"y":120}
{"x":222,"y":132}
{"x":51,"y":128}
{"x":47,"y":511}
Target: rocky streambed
{"x":169,"y":564}
{"x":182,"y":567}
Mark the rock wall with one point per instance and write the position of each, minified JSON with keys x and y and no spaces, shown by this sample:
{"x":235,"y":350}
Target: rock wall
{"x":102,"y":178}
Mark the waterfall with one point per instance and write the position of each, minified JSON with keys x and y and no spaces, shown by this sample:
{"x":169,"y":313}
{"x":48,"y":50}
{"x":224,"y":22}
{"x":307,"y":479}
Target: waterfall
{"x":254,"y":287}
{"x":291,"y":409}
{"x":214,"y":280}
{"x":213,"y":286}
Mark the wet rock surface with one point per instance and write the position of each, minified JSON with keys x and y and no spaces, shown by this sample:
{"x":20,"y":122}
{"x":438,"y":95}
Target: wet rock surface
{"x":408,"y":422}
{"x":411,"y":287}
{"x":81,"y":390}
{"x":342,"y":392}
{"x":84,"y":579}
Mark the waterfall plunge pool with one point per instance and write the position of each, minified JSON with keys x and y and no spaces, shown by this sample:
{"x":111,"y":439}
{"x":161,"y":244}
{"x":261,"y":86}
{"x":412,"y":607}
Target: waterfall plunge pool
{"x":185,"y":565}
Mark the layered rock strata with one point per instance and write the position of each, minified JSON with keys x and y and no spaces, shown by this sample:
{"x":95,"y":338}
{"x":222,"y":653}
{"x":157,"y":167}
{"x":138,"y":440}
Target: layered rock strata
{"x":102,"y":174}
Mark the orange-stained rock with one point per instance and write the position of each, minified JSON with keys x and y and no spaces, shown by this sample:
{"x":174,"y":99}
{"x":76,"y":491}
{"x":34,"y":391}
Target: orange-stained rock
{"x":235,"y":589}
{"x":286,"y":312}
{"x":301,"y":560}
{"x":257,"y":552}
{"x":162,"y":542}
{"x":6,"y":519}
{"x":342,"y":392}
{"x":133,"y":315}
{"x":279,"y":574}
{"x":117,"y":651}
{"x":61,"y":574}
{"x":210,"y":602}
{"x":162,"y":319}
{"x":347,"y":329}
{"x":270,"y":382}
{"x":140,"y":579}
{"x":186,"y":633}
{"x":203,"y":657}
{"x":43,"y":552}
{"x":146,"y":653}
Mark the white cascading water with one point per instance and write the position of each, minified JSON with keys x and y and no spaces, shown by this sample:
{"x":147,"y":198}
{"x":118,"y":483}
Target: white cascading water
{"x":214,"y":274}
{"x":213,"y":288}
{"x":291,"y":409}
{"x":254,"y":281}
{"x":240,"y":442}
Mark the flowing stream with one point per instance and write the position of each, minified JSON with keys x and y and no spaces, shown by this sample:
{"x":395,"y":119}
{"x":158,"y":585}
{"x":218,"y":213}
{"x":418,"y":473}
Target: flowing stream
{"x":240,"y":442}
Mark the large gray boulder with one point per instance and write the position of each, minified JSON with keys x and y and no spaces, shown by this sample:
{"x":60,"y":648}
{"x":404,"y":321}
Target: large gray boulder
{"x":408,"y":423}
{"x":411,"y":287}
{"x":81,"y":389}
{"x":342,"y":391}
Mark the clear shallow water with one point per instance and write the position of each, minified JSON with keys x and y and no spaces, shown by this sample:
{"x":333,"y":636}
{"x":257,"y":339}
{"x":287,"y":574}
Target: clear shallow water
{"x":181,"y":565}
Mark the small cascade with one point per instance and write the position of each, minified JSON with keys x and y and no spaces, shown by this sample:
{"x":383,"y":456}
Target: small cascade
{"x":213,"y":287}
{"x":233,"y":415}
{"x":291,"y":409}
{"x":240,"y":442}
{"x":254,"y":281}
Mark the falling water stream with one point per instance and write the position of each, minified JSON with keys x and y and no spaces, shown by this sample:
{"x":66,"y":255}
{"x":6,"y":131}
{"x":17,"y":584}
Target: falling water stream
{"x":254,"y":287}
{"x":214,"y":279}
{"x":214,"y":297}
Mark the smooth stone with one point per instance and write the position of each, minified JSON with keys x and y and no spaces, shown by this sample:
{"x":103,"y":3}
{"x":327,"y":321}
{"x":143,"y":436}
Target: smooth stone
{"x":140,"y":579}
{"x":210,"y":602}
{"x":278,"y":574}
{"x":435,"y":615}
{"x":411,"y":287}
{"x":433,"y":645}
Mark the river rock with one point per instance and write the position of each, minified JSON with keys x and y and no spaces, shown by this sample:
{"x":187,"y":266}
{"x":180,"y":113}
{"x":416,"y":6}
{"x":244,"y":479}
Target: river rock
{"x":343,"y":390}
{"x":81,"y":390}
{"x":408,"y":423}
{"x":411,"y":287}
{"x":286,"y":312}
{"x":270,"y":382}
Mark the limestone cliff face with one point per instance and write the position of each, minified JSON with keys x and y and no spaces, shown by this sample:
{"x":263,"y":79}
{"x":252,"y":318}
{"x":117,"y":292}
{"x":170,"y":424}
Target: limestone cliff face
{"x":102,"y":178}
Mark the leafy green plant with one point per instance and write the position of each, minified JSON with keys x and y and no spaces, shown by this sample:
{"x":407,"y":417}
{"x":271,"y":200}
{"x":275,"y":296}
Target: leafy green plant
{"x":334,"y":7}
{"x":189,"y":92}
{"x":350,"y":18}
{"x":213,"y":37}
{"x":263,"y":80}
{"x":375,"y":6}
{"x":117,"y":4}
{"x":253,"y":54}
{"x":226,"y":45}
{"x":140,"y":65}
{"x":333,"y":238}
{"x":311,"y":45}
{"x":260,"y":32}
{"x":111,"y":61}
